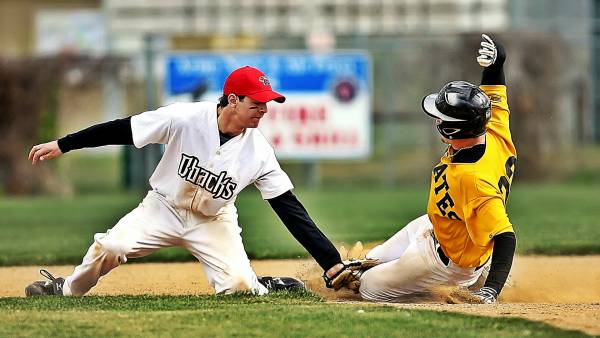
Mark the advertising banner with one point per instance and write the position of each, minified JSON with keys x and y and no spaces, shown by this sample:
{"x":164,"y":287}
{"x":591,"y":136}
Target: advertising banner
{"x":327,"y":114}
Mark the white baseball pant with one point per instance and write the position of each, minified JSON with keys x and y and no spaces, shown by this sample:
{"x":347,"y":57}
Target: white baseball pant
{"x":410,"y":265}
{"x":154,"y":224}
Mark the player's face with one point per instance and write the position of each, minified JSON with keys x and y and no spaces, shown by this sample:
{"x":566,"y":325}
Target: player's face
{"x":249,"y":112}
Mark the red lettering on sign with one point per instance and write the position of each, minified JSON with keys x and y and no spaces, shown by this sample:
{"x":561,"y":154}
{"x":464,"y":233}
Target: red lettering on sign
{"x":322,"y":114}
{"x":276,"y":140}
{"x":326,"y":139}
{"x":301,"y":114}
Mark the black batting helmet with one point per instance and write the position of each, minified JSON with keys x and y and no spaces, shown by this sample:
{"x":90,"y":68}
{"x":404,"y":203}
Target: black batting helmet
{"x":462,"y":110}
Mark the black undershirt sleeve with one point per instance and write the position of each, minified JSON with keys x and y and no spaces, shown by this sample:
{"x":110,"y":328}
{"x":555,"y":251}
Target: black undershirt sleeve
{"x":112,"y":132}
{"x":296,"y":219}
{"x":502,"y":257}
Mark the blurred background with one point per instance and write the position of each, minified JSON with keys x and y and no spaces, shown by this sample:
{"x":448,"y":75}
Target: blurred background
{"x":67,"y":64}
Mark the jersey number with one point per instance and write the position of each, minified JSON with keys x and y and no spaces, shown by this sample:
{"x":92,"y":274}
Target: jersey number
{"x":504,"y":181}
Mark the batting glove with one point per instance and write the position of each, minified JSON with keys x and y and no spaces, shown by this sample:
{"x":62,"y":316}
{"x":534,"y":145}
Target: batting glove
{"x":488,"y":52}
{"x":486,"y":295}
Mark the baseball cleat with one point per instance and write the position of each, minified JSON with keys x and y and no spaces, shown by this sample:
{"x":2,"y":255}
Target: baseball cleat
{"x":51,"y":287}
{"x":281,"y":283}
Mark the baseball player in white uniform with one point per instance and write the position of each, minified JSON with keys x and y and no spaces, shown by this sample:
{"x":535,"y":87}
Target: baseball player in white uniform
{"x":212,"y":152}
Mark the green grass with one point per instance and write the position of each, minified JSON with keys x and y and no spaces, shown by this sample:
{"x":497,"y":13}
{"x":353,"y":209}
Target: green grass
{"x":553,"y":219}
{"x":46,"y":230}
{"x":556,"y":219}
{"x":97,"y":173}
{"x":275,"y":315}
{"x":549,"y":219}
{"x":345,"y":215}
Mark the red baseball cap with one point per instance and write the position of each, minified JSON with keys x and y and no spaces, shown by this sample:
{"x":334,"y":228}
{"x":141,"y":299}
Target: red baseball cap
{"x":251,"y":82}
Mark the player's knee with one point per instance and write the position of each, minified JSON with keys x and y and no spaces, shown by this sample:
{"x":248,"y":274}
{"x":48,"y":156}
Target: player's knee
{"x":236,"y":283}
{"x":110,"y":249}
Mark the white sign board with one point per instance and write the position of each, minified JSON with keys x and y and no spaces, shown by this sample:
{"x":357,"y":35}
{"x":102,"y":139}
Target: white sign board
{"x":327,"y":114}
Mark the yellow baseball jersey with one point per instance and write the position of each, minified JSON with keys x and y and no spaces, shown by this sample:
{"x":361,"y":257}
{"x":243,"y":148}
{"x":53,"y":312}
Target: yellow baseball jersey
{"x":467,"y":201}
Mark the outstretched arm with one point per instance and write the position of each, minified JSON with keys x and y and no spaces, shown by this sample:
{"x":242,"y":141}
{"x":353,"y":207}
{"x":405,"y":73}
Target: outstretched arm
{"x":295,"y":217}
{"x":113,"y":132}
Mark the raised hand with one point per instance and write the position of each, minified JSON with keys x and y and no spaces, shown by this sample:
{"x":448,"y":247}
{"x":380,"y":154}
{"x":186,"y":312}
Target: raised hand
{"x":488,"y":52}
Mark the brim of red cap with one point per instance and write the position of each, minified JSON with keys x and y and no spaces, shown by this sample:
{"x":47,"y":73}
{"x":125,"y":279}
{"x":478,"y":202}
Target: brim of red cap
{"x":266,"y":96}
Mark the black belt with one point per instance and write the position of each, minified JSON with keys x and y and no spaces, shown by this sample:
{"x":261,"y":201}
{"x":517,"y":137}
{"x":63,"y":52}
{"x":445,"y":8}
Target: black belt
{"x":439,"y":250}
{"x":445,"y":258}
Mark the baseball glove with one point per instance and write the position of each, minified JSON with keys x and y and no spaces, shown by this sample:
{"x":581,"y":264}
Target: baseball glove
{"x":349,"y":276}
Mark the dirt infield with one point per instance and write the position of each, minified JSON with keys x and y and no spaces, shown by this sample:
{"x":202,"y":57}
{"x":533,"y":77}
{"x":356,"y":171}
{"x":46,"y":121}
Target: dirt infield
{"x":561,"y":291}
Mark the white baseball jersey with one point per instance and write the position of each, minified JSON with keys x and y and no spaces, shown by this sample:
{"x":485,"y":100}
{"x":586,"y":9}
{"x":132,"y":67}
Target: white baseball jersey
{"x":197,"y":173}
